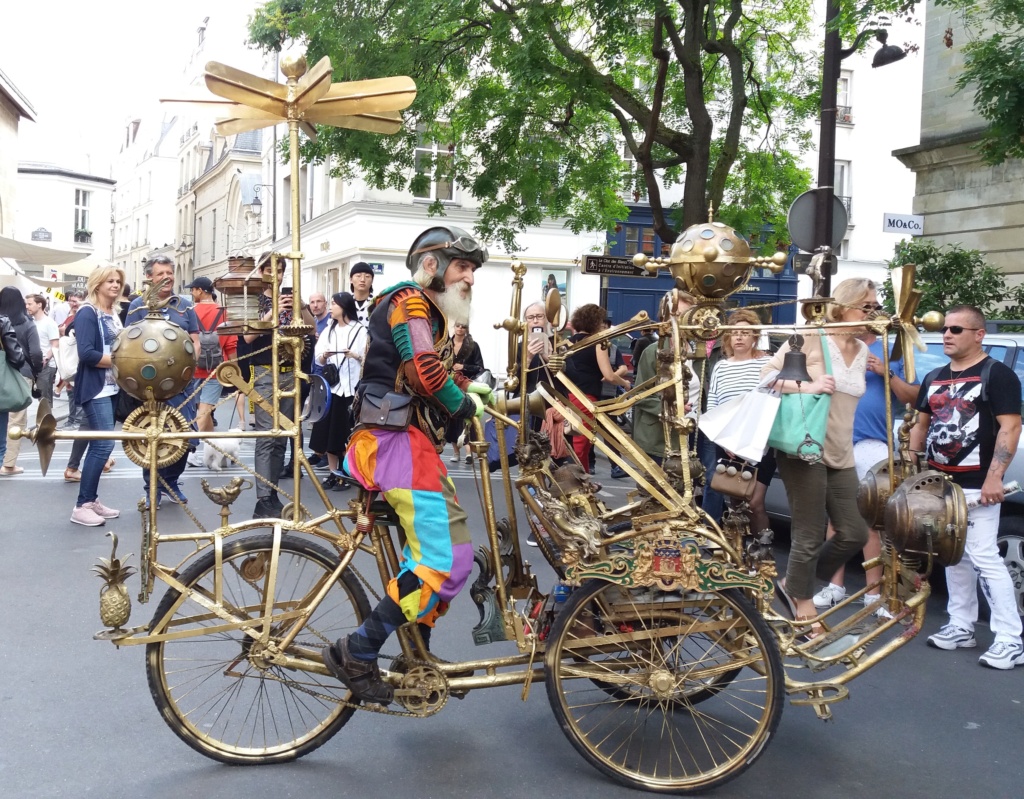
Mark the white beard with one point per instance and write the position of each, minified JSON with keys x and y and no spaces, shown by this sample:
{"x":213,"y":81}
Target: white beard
{"x":454,"y":301}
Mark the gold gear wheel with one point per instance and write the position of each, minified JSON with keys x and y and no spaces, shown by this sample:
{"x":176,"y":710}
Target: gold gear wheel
{"x":168,"y":451}
{"x":705,"y":319}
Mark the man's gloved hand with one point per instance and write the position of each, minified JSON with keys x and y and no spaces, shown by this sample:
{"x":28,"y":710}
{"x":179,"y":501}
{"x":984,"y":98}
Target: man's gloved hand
{"x":478,"y":402}
{"x":481,"y":390}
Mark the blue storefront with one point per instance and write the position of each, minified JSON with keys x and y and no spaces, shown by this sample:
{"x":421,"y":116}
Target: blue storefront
{"x":625,"y":296}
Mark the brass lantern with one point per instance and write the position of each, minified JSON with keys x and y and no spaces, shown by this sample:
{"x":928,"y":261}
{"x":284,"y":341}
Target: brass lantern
{"x":926,"y":515}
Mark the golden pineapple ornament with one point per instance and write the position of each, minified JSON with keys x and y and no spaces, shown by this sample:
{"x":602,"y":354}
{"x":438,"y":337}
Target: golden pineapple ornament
{"x":115,"y":604}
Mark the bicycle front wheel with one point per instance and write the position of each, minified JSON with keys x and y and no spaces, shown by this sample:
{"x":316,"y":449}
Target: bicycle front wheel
{"x":673,"y":692}
{"x":214,"y":689}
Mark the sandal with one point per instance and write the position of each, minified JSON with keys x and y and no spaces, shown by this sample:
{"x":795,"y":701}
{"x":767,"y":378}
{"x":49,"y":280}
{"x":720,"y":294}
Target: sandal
{"x":109,"y":465}
{"x":815,"y":630}
{"x":72,"y":476}
{"x":11,"y":471}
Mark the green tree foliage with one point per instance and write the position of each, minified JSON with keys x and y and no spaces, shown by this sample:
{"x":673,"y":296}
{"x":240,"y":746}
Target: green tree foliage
{"x":950,"y":275}
{"x":994,"y":71}
{"x":558,"y":108}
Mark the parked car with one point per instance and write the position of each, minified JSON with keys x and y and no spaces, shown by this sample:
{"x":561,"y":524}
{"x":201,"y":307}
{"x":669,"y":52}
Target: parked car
{"x":1008,"y":348}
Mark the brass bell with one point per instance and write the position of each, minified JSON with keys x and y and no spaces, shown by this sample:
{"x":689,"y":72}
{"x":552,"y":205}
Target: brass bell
{"x":794,"y":363}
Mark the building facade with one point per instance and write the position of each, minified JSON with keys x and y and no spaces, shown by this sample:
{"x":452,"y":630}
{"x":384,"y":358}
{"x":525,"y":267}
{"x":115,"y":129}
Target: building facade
{"x":964,"y":201}
{"x":14,"y":107}
{"x":143,"y":213}
{"x":64,"y":209}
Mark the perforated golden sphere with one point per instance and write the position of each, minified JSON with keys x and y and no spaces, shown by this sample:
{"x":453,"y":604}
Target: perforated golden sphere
{"x":699,"y":258}
{"x":153,"y":354}
{"x":293,"y":65}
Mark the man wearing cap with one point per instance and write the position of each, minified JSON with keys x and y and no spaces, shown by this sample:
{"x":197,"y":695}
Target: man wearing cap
{"x":361,"y":283}
{"x":410,"y":356}
{"x":210,"y":316}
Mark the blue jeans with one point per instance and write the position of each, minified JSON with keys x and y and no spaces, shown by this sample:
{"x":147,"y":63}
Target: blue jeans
{"x":100,"y":414}
{"x":3,"y":433}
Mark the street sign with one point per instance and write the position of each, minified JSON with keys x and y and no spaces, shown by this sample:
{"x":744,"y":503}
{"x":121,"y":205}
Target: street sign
{"x":377,"y":267}
{"x":616,"y":265}
{"x":801,"y":218}
{"x":912,"y":224}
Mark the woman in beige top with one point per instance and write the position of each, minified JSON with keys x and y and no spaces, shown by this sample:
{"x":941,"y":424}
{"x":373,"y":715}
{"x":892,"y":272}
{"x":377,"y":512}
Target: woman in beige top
{"x":827,"y":490}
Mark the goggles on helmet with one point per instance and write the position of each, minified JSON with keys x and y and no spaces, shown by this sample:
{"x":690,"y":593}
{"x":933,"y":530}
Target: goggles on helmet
{"x":466,"y":244}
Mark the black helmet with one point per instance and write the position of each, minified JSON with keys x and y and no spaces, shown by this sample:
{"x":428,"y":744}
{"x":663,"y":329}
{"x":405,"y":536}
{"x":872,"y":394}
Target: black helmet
{"x":446,"y":243}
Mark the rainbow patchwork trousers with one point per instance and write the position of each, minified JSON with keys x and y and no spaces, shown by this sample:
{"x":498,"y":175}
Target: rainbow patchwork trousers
{"x":405,"y":468}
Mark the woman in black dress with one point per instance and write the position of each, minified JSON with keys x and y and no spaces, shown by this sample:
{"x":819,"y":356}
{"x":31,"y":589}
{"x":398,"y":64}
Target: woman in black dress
{"x":470,"y":362}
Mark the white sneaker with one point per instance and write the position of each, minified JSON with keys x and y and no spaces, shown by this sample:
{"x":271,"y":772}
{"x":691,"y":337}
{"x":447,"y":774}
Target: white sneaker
{"x":828,"y":596}
{"x":455,"y":458}
{"x":102,"y":510}
{"x":195,"y":459}
{"x":881,"y":611}
{"x":952,"y":637}
{"x":86,"y":516}
{"x":1003,"y":655}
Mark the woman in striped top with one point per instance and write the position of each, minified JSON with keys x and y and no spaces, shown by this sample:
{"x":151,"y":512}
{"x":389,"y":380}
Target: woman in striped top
{"x":736,"y":374}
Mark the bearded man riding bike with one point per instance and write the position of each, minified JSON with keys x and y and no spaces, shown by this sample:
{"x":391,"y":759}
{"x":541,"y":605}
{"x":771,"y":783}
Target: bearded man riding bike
{"x":407,"y":395}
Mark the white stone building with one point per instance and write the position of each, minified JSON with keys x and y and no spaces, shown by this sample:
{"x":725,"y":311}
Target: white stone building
{"x":72,"y":207}
{"x":143,"y":215}
{"x":964,"y":201}
{"x":14,"y":107}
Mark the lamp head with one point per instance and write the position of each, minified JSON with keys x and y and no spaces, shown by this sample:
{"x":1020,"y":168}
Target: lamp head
{"x":887,"y":53}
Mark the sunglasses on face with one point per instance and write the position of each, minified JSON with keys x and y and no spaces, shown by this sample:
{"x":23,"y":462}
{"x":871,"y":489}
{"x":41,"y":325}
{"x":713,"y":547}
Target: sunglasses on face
{"x":956,"y":330}
{"x":869,"y":307}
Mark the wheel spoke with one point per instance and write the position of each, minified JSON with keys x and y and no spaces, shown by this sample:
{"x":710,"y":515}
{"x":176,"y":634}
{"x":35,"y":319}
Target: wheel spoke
{"x":220,"y":692}
{"x":672,"y":692}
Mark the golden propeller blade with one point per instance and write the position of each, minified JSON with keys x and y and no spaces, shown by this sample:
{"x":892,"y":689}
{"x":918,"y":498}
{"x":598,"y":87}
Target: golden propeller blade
{"x":908,"y":331}
{"x":252,"y":90}
{"x":313,"y":85}
{"x":909,"y":275}
{"x":308,"y":129}
{"x":365,"y":97}
{"x":233,"y":125}
{"x":909,"y":370}
{"x":897,"y":288}
{"x":373,"y":123}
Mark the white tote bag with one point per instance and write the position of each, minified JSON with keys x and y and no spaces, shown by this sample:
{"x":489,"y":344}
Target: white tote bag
{"x":66,"y":357}
{"x":742,"y":425}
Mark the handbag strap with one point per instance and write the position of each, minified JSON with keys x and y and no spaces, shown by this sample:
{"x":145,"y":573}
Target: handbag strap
{"x":825,"y":354}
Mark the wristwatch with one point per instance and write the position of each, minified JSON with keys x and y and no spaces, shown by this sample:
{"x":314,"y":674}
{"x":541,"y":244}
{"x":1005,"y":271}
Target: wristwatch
{"x":892,"y":375}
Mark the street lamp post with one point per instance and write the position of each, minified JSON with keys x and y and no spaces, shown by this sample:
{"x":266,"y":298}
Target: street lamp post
{"x":256,"y":207}
{"x":825,"y":195}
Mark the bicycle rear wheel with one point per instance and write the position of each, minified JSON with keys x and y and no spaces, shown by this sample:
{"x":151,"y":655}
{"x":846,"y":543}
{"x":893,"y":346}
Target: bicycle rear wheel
{"x":214,"y":690}
{"x":677,"y":692}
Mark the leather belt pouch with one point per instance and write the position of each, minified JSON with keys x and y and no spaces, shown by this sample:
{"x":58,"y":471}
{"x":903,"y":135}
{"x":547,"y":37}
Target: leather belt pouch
{"x":393,"y":411}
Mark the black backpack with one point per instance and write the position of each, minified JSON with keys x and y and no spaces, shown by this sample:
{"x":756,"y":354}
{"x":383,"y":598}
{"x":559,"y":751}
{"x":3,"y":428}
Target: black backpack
{"x":210,"y":354}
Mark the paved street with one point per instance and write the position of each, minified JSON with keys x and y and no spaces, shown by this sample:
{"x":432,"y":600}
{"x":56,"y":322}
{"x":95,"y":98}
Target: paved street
{"x":76,"y":718}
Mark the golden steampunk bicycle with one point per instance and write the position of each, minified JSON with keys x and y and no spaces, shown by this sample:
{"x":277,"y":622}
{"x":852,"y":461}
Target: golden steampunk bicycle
{"x":666,"y":666}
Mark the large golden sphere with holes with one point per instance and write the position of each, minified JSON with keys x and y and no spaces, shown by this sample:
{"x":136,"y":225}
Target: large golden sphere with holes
{"x":155,"y":356}
{"x":712,"y":260}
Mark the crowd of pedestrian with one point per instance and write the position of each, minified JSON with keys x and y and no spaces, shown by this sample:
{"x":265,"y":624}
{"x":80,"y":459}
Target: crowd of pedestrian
{"x":968,"y":424}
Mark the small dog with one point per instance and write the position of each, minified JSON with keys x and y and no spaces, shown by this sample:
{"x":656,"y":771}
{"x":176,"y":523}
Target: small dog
{"x":217,"y":459}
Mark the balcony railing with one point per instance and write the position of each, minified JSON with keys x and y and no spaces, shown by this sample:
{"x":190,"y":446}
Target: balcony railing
{"x":844,"y":115}
{"x":83,"y":237}
{"x":848,"y":202}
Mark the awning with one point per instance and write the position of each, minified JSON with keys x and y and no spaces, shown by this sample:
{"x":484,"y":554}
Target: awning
{"x":34,"y":254}
{"x":82,"y":268}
